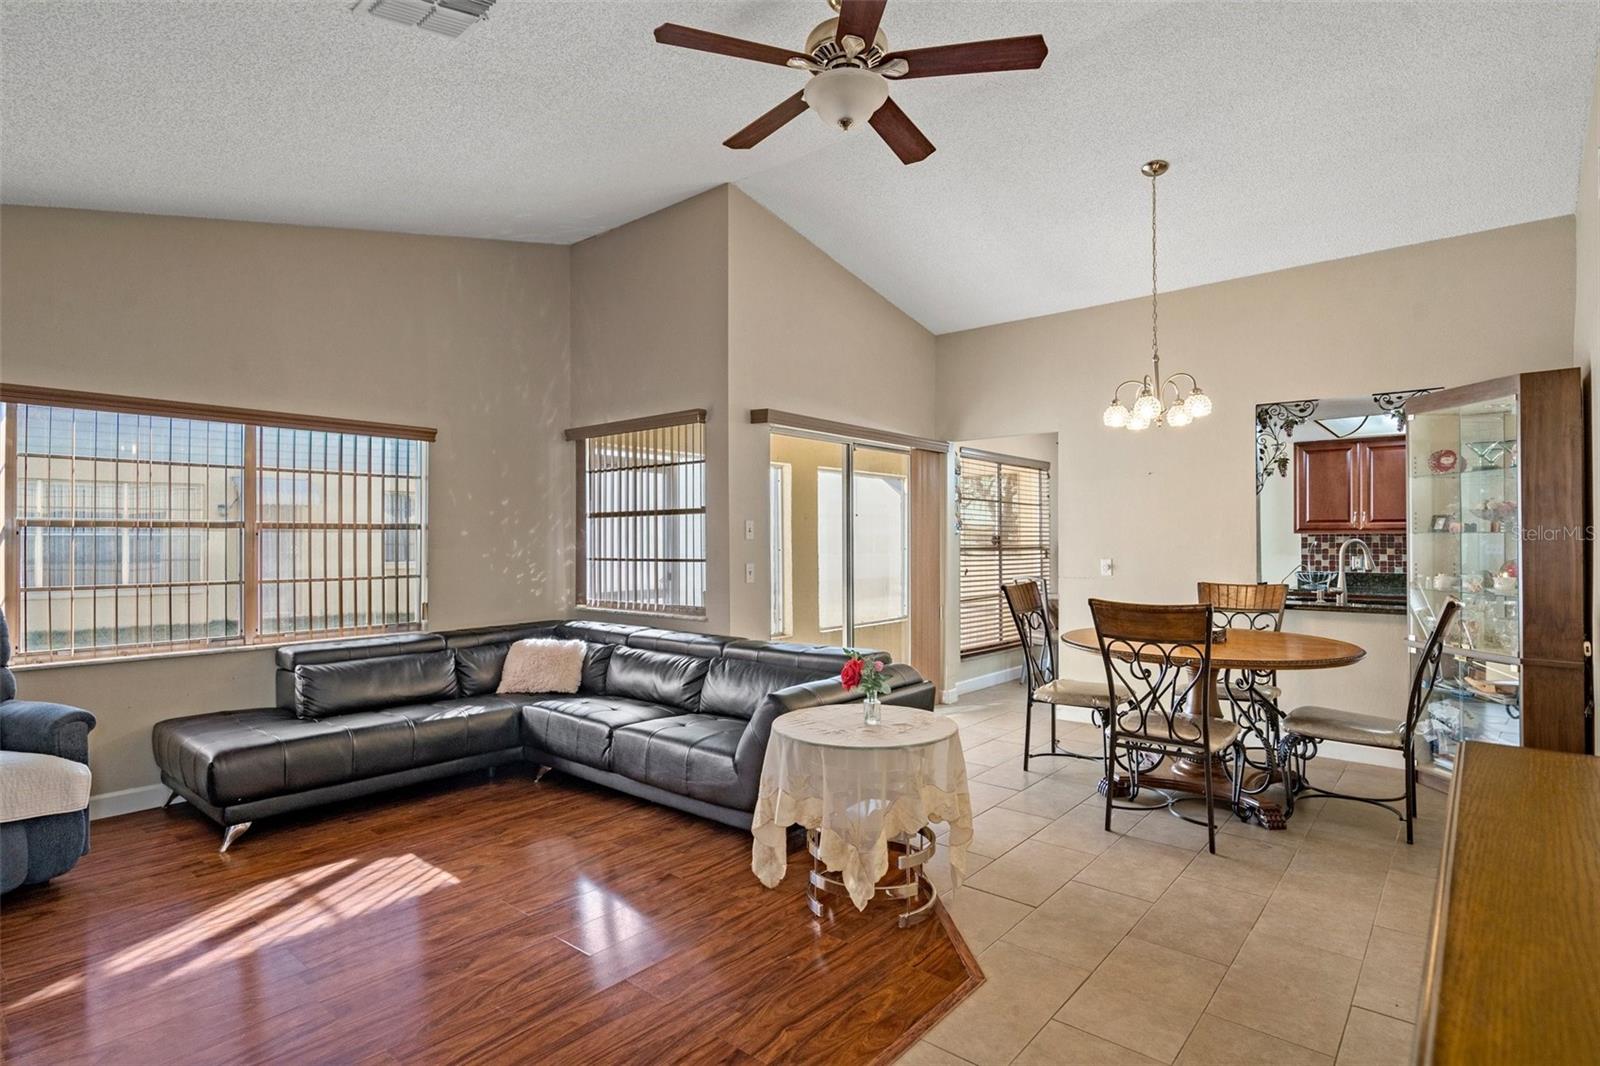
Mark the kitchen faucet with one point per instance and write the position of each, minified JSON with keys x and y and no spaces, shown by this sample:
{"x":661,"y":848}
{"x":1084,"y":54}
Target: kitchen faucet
{"x":1364,"y":562}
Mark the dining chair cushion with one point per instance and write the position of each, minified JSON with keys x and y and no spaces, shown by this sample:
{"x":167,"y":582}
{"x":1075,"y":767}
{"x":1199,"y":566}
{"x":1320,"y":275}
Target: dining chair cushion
{"x":1155,"y":729}
{"x":1346,"y":727}
{"x":1065,"y":692}
{"x":1266,"y":691}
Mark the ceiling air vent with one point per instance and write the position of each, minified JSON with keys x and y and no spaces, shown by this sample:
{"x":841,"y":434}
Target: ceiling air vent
{"x":448,"y":18}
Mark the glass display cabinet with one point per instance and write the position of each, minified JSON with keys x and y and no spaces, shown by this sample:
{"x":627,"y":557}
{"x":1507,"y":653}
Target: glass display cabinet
{"x":1496,"y":520}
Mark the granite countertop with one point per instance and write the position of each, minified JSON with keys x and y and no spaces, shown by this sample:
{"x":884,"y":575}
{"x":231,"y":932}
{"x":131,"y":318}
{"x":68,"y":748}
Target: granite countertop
{"x":1374,"y":593}
{"x":1368,"y":607}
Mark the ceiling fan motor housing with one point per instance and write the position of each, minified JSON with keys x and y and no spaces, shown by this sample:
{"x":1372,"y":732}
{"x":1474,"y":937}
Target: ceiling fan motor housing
{"x":822,"y":47}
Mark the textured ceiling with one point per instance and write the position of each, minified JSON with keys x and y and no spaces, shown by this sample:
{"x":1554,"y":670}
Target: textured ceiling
{"x":1297,"y":132}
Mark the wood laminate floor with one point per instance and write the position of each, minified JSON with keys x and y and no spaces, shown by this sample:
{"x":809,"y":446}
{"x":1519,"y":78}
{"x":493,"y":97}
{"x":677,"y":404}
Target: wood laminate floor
{"x":477,"y":919}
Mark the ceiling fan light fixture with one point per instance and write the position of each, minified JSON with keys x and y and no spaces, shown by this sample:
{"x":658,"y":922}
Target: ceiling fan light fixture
{"x":846,"y":97}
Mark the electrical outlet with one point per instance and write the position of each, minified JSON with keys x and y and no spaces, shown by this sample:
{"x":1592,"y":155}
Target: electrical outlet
{"x":749,"y":573}
{"x":1106,"y":567}
{"x":749,"y":529}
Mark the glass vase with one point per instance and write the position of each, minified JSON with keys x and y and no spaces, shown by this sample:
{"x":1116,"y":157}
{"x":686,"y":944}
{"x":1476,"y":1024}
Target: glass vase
{"x":873,"y":709}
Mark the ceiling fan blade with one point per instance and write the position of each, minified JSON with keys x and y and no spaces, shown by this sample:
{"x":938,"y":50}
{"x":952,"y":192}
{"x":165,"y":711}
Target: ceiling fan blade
{"x":859,"y":18}
{"x":706,"y":41}
{"x":767,"y":124}
{"x":900,"y":133}
{"x":975,"y":57}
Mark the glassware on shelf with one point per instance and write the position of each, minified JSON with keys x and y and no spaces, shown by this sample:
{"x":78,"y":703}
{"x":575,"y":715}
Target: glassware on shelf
{"x":1464,"y":543}
{"x":1474,"y":700}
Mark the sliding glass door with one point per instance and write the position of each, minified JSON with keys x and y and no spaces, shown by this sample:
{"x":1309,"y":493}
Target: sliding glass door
{"x":880,"y":540}
{"x":840,"y":543}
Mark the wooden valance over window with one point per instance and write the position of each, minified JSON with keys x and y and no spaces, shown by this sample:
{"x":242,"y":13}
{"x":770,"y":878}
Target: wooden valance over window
{"x":94,"y":401}
{"x":788,"y":420}
{"x":636,"y":425}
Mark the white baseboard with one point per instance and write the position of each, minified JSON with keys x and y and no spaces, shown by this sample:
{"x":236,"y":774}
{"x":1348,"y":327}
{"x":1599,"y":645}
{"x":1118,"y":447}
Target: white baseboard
{"x":983,"y":681}
{"x":126,"y":801}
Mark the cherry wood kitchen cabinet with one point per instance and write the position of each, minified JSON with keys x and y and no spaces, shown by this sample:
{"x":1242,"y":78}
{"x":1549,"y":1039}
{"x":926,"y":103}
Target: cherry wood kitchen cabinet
{"x":1350,"y":486}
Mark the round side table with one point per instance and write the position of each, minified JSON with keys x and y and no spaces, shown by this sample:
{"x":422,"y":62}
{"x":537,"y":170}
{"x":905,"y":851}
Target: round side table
{"x":866,"y":795}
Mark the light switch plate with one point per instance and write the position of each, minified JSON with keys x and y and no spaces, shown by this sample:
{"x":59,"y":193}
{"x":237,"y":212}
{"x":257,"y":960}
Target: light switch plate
{"x":749,"y":573}
{"x":749,"y":529}
{"x":1106,"y":567}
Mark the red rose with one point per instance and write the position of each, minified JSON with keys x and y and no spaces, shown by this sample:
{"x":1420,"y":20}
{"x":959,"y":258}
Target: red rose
{"x":851,"y":674}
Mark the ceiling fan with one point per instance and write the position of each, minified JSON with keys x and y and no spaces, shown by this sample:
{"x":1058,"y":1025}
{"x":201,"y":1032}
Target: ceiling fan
{"x":849,"y":59}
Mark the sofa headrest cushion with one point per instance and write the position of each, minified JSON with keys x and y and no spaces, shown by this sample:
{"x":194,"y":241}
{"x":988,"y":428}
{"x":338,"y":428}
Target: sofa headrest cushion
{"x":736,"y":687}
{"x":706,"y":645}
{"x":478,"y":667}
{"x":656,"y":677}
{"x":471,"y":638}
{"x":821,"y":657}
{"x":596,"y":662}
{"x":325,"y":689}
{"x":291,"y":656}
{"x":597,"y":632}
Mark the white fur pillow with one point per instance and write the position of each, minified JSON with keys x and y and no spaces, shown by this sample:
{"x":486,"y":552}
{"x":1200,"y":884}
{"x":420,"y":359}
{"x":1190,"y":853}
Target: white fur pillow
{"x":543,"y":666}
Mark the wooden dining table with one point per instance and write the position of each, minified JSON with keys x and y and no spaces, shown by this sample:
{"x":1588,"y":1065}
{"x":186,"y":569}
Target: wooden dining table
{"x":1243,"y":650}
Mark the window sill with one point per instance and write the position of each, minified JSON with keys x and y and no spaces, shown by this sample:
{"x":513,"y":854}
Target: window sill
{"x":670,"y":616}
{"x":191,"y":653}
{"x":991,"y":649}
{"x":143,"y":657}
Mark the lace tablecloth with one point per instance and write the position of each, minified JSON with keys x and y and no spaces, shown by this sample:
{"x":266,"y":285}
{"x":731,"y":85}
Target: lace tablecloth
{"x":859,"y":786}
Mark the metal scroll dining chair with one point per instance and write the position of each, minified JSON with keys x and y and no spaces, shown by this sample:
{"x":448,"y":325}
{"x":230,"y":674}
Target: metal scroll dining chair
{"x":1240,"y":606}
{"x":1162,"y":655}
{"x":1030,"y":613}
{"x":1251,"y":695}
{"x":1305,"y":728}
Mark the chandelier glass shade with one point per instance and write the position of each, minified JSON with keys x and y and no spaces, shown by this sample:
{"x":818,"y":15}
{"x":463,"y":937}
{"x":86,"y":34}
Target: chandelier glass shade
{"x":1175,"y":400}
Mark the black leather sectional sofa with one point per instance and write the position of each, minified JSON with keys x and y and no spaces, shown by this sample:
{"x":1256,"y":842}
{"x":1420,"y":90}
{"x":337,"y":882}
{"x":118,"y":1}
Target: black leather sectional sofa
{"x":677,"y":718}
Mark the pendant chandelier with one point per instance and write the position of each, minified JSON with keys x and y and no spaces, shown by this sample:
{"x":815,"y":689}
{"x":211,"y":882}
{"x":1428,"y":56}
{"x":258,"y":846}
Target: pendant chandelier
{"x":1156,"y":400}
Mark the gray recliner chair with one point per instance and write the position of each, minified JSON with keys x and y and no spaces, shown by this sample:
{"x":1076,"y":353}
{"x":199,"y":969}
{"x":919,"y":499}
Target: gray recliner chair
{"x":44,"y":794}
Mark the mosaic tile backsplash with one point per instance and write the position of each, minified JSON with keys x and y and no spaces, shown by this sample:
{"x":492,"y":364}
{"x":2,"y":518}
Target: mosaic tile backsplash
{"x":1320,"y":551}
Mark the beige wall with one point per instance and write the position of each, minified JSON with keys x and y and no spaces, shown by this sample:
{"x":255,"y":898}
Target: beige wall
{"x":1586,"y":319}
{"x":1586,"y":313}
{"x":1171,"y":506}
{"x":804,"y":335}
{"x":716,"y":303}
{"x":468,"y":336}
{"x":650,"y":332}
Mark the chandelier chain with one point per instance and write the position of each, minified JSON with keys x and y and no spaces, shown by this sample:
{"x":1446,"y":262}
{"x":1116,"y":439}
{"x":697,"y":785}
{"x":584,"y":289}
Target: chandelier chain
{"x":1155,"y":344}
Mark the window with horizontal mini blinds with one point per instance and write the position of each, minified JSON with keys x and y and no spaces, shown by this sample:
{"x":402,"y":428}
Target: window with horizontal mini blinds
{"x":1004,"y":512}
{"x":642,"y":515}
{"x":136,"y":527}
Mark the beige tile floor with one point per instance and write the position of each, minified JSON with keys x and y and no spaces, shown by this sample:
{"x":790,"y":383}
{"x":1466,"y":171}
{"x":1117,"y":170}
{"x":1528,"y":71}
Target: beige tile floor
{"x":1138,"y":946}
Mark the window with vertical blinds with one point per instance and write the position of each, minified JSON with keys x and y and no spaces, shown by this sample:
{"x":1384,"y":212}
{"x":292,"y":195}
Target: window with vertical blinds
{"x":642,"y":514}
{"x":133,"y":531}
{"x":1004,"y":513}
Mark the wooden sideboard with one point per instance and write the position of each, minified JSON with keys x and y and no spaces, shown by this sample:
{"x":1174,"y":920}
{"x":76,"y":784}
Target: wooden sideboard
{"x":1513,"y":971}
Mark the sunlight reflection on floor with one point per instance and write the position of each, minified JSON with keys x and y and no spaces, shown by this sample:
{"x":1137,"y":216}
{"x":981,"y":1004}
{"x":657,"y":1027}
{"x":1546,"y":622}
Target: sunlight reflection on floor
{"x":265,"y":915}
